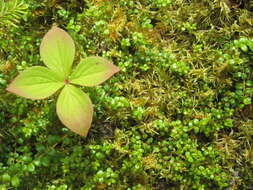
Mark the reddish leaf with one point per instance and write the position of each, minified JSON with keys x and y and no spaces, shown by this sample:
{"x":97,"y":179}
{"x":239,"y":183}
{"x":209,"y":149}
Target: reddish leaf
{"x":75,"y":110}
{"x":92,"y":71}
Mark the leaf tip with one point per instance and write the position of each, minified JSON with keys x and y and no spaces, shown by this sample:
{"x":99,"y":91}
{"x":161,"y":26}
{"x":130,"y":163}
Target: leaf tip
{"x":10,"y":88}
{"x":115,"y":68}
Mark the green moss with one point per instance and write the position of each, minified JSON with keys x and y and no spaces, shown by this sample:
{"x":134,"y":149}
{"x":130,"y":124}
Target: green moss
{"x":177,"y":116}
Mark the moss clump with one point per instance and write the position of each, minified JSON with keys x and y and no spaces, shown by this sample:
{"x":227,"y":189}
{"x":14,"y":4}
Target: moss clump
{"x":178,"y":116}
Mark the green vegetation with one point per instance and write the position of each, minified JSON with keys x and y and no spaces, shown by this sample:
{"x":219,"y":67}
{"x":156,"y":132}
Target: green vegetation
{"x":74,"y":107}
{"x":179,"y":115}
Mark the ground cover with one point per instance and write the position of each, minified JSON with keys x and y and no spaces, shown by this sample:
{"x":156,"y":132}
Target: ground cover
{"x":177,"y":116}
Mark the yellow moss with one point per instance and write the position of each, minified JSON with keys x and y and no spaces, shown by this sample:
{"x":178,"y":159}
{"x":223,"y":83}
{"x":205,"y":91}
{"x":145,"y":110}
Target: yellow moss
{"x":150,"y":162}
{"x":117,"y":24}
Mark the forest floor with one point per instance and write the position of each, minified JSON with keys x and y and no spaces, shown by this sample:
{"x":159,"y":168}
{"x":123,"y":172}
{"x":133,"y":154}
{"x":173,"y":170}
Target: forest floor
{"x":178,"y":115}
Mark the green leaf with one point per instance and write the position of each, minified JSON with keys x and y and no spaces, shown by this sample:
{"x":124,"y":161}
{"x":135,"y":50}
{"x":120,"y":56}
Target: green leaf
{"x":15,"y":181}
{"x":92,"y":71}
{"x":31,"y":167}
{"x":57,"y":51}
{"x":36,"y":83}
{"x":6,"y":177}
{"x":75,"y":110}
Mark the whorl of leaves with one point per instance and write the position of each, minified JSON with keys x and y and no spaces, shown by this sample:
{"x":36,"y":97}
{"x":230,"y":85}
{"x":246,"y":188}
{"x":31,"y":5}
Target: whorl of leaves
{"x":11,"y":12}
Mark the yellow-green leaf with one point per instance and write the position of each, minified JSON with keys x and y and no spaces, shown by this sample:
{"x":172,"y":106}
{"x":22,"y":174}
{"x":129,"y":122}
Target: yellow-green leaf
{"x":57,"y":51}
{"x":92,"y":71}
{"x":36,"y":83}
{"x":75,"y":110}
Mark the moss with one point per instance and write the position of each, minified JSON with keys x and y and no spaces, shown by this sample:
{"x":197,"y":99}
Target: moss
{"x":177,"y":116}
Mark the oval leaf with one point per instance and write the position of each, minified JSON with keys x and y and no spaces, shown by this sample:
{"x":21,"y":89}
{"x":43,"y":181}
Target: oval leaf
{"x":57,"y":51}
{"x":92,"y":71}
{"x":75,"y":110}
{"x":36,"y":83}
